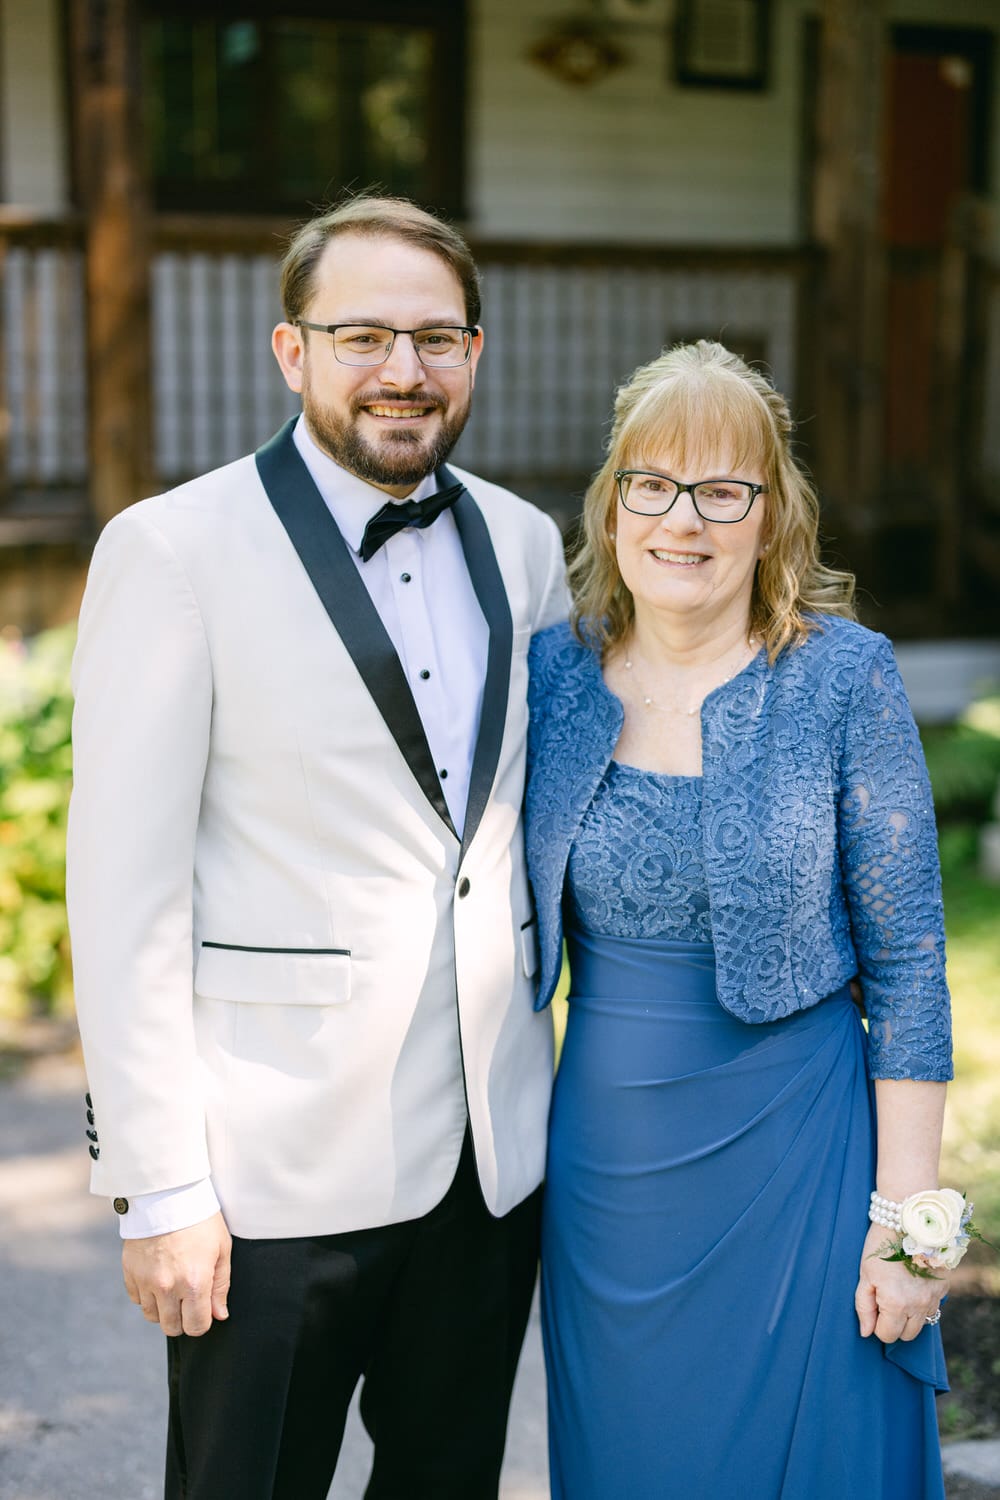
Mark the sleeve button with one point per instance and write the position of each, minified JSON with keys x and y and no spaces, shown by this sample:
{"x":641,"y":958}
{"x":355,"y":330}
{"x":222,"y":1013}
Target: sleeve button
{"x":120,"y":1205}
{"x":95,"y":1152}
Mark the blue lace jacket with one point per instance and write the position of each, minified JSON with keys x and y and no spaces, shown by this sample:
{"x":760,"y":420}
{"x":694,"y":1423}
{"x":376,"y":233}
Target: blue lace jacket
{"x":819,"y":840}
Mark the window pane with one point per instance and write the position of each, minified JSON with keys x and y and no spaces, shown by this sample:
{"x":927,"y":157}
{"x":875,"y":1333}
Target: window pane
{"x":281,"y":113}
{"x":201,"y":84}
{"x":351,"y":106}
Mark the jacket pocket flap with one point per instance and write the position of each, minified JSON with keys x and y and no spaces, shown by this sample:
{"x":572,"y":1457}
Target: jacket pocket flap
{"x":273,"y":976}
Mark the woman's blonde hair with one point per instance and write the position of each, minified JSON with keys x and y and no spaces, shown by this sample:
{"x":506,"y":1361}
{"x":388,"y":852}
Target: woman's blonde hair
{"x":693,"y":401}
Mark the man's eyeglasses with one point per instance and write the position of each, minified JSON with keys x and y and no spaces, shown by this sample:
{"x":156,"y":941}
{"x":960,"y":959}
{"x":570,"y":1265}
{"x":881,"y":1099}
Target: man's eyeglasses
{"x":437,"y":348}
{"x":721,"y":500}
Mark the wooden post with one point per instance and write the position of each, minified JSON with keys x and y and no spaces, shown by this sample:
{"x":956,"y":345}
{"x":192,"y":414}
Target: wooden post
{"x":850,"y":322}
{"x":978,"y":229}
{"x":947,"y":458}
{"x":111,"y":180}
{"x":4,"y":408}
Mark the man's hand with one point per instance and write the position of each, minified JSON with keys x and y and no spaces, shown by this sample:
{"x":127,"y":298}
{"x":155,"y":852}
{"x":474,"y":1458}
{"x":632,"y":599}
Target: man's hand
{"x":181,"y":1280}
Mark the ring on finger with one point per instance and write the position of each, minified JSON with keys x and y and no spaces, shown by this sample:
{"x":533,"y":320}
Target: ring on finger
{"x":934,"y":1317}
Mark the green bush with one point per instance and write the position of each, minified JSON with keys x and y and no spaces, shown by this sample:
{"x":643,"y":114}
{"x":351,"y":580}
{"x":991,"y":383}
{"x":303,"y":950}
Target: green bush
{"x":963,"y":760}
{"x":35,"y":769}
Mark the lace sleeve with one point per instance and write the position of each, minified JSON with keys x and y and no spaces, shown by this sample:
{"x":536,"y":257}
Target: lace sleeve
{"x":889,"y":866}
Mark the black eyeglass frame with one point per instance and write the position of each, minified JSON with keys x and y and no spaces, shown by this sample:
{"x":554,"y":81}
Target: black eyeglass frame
{"x":333,"y":328}
{"x":755,"y":489}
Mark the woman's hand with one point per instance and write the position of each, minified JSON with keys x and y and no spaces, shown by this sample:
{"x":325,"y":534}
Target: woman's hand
{"x":890,"y":1301}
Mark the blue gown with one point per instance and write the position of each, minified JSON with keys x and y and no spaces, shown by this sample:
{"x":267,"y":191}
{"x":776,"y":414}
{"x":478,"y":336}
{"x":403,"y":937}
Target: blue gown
{"x":705,"y":1207}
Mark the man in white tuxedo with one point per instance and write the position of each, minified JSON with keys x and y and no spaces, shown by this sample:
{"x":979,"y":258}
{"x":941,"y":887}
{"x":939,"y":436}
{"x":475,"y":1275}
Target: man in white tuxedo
{"x":303,"y":939}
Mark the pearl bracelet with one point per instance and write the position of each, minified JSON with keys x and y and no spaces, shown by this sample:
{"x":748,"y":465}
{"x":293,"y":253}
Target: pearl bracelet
{"x":930,"y":1230}
{"x":885,"y":1212}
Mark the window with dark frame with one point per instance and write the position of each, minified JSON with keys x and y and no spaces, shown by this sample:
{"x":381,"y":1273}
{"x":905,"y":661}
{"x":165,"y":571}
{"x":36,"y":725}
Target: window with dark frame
{"x":260,"y":107}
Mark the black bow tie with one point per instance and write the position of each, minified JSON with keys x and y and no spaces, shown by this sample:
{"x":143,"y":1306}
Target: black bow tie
{"x":395,"y":515}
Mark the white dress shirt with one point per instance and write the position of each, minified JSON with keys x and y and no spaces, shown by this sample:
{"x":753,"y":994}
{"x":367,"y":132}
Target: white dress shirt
{"x":419,"y":583}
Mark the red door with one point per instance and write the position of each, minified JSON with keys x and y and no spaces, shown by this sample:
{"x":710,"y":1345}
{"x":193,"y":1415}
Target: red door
{"x":935,"y":155}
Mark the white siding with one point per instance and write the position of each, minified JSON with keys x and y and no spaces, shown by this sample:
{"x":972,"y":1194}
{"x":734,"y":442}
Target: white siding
{"x":633,"y":157}
{"x":636,"y":158}
{"x":33,"y":134}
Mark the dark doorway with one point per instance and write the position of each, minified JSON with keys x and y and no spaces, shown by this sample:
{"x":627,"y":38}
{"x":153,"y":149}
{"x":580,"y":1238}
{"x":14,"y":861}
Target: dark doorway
{"x":936,"y":138}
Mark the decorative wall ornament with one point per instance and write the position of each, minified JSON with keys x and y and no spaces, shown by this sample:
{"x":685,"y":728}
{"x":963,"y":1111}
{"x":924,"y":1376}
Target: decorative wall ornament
{"x":634,"y":12}
{"x":578,"y":52}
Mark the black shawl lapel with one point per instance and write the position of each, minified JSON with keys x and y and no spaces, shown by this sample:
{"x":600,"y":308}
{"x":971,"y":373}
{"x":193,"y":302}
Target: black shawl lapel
{"x":487,"y":581}
{"x":327,"y":560}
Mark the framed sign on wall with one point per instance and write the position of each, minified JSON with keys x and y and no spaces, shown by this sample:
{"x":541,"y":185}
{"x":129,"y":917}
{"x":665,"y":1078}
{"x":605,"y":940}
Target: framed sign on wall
{"x":721,"y":44}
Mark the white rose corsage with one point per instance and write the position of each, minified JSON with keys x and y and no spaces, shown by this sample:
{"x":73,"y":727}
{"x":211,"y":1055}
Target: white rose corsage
{"x":932,"y":1229}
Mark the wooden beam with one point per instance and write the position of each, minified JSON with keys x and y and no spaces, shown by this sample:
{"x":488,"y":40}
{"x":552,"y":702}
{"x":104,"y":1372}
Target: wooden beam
{"x":959,"y":396}
{"x":850,"y":319}
{"x":114,"y":192}
{"x":4,"y":408}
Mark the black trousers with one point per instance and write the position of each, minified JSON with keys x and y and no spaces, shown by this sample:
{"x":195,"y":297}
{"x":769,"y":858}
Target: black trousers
{"x":430,"y":1313}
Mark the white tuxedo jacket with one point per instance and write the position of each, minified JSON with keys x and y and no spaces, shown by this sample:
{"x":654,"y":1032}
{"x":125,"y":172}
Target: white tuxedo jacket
{"x":271,"y":913}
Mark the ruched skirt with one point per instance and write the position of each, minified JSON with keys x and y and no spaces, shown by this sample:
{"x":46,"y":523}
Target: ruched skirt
{"x":705,"y":1210}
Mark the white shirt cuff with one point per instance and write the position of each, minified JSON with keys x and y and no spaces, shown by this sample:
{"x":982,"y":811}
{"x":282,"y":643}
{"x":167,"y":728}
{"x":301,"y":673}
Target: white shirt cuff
{"x":163,"y":1212}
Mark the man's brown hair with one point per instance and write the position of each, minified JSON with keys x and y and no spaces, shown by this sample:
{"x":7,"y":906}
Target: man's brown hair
{"x":382,"y":218}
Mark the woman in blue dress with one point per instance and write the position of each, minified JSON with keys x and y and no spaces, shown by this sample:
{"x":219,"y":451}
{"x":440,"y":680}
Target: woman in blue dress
{"x":729,"y":820}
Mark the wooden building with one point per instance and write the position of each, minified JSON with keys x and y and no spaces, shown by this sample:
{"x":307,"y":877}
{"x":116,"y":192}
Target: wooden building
{"x":814,"y":181}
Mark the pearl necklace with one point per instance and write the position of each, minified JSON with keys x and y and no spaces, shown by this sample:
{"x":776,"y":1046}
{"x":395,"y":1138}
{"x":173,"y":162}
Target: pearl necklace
{"x":648,"y":701}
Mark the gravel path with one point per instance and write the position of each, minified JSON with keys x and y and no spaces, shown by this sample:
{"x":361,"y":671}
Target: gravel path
{"x":82,"y":1387}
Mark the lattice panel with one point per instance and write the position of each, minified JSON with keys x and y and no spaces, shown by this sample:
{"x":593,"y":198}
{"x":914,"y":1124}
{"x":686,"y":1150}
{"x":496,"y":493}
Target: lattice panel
{"x":217,"y":391}
{"x":559,"y":340}
{"x":44,"y":366}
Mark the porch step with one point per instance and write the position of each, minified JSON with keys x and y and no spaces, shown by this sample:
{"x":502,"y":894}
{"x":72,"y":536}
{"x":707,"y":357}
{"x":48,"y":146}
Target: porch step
{"x":943,"y":677}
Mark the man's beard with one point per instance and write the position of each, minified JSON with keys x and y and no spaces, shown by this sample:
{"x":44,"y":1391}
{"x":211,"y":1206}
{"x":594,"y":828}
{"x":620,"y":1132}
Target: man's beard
{"x":403,"y":457}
